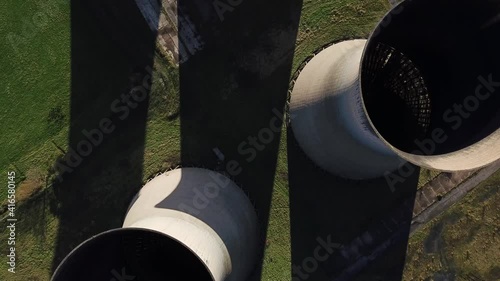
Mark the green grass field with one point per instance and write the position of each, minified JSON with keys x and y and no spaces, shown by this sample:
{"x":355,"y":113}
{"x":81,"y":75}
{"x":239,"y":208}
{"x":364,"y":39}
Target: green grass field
{"x":38,"y":84}
{"x":463,"y":242}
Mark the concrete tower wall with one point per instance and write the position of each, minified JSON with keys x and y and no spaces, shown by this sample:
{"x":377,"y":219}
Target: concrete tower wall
{"x":329,"y":122}
{"x":423,"y":88}
{"x":205,"y":211}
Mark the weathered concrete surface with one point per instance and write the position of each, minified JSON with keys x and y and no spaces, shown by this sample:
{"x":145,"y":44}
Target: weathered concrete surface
{"x":328,"y":119}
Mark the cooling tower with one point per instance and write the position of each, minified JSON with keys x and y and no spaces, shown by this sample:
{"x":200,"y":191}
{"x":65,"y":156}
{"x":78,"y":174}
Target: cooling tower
{"x":423,"y":88}
{"x":187,"y":224}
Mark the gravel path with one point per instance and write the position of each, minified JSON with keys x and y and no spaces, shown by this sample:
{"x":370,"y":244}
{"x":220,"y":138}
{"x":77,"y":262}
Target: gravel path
{"x":455,"y":195}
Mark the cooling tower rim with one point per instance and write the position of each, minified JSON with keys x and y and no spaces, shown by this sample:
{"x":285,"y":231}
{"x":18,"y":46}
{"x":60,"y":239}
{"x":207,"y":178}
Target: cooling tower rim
{"x":369,"y":41}
{"x":94,"y":239}
{"x":470,"y":157}
{"x":86,"y":243}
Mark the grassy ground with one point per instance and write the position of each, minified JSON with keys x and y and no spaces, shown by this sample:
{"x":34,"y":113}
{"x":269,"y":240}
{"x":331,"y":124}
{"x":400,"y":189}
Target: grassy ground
{"x":463,"y":243}
{"x":327,"y":21}
{"x":40,"y":218}
{"x":35,"y":79}
{"x":35,"y":102}
{"x":322,"y":22}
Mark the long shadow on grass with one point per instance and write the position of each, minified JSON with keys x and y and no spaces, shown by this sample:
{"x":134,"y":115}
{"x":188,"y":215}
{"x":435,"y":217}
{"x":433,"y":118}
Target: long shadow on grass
{"x":343,"y":230}
{"x":234,"y":75}
{"x":112,"y":49}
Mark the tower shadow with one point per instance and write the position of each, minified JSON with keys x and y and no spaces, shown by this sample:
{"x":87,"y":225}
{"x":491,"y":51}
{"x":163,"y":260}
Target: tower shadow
{"x":341,"y":229}
{"x":235,"y":60}
{"x":112,"y":51}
